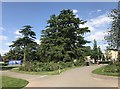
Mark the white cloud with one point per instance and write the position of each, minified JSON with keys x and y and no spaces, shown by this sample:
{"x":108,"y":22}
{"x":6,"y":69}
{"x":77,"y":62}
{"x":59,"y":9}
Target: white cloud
{"x":91,"y":28}
{"x":90,"y":13}
{"x":76,"y":16}
{"x":37,"y":41}
{"x":97,"y":26}
{"x":3,"y":37}
{"x":17,"y":33}
{"x":2,"y":52}
{"x":16,"y":37}
{"x":8,"y":44}
{"x":99,"y":36}
{"x":97,"y":23}
{"x":75,"y":11}
{"x":99,"y":10}
{"x":100,"y":20}
{"x":103,"y":47}
{"x":2,"y":29}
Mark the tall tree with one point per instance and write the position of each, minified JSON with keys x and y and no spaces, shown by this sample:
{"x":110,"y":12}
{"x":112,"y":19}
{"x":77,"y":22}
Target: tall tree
{"x":63,"y":40}
{"x":88,"y":51}
{"x":95,"y":51}
{"x":113,"y":37}
{"x":26,"y":43}
{"x":100,"y":54}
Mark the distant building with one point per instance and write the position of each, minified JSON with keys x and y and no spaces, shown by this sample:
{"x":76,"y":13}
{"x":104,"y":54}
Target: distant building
{"x":112,"y":54}
{"x":88,"y":59}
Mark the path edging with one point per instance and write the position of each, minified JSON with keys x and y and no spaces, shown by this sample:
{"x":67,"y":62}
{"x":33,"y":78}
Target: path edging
{"x":104,"y":76}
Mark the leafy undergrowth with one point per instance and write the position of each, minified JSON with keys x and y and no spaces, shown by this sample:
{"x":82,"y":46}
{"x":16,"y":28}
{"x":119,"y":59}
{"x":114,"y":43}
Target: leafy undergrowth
{"x":49,"y":68}
{"x":109,"y":70}
{"x":43,"y":72}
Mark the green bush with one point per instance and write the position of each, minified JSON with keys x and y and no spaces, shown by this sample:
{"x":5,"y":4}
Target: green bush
{"x":37,"y":66}
{"x":109,"y":70}
{"x":79,"y":63}
{"x":112,"y":68}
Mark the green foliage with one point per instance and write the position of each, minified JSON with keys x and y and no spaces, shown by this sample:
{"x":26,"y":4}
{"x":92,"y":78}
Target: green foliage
{"x":88,"y":51}
{"x":100,"y":54}
{"x":24,"y":47}
{"x":14,"y":54}
{"x":114,"y":34}
{"x":103,"y":57}
{"x":111,"y":69}
{"x":79,"y":62}
{"x":96,"y":52}
{"x":113,"y":37}
{"x":37,"y":66}
{"x":63,"y":40}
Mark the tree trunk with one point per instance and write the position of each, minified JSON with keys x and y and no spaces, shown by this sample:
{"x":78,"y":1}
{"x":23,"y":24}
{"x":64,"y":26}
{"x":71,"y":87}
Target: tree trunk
{"x":24,"y":59}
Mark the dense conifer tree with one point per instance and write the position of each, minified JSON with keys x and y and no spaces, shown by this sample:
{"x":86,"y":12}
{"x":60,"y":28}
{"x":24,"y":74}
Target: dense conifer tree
{"x":63,"y":40}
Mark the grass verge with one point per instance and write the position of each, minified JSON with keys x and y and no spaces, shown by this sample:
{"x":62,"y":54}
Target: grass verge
{"x":13,"y":83}
{"x":103,"y":71}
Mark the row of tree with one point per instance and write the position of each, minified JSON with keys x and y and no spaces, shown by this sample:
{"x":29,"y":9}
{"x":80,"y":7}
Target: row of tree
{"x":113,"y":37}
{"x":61,"y":40}
{"x":96,"y":53}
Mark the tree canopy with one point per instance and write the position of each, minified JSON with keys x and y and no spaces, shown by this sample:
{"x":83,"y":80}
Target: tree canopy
{"x":96,"y":52}
{"x":113,"y":37}
{"x":63,"y":40}
{"x":25,"y":45}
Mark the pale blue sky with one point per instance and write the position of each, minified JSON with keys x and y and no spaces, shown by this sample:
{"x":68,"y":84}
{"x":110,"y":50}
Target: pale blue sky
{"x":16,"y":15}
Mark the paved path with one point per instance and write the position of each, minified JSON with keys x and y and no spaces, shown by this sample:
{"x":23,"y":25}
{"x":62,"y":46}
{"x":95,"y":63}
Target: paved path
{"x":78,"y":77}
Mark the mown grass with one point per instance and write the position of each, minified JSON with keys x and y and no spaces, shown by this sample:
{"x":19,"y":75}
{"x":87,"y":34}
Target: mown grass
{"x":13,"y":83}
{"x":108,"y":70}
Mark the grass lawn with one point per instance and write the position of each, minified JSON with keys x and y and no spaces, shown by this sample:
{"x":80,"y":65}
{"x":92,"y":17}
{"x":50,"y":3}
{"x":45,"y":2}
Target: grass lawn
{"x":108,"y":70}
{"x":13,"y":83}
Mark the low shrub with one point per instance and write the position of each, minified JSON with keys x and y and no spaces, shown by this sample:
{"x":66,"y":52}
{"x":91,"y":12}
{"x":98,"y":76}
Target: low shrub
{"x":37,"y":66}
{"x":111,"y":68}
{"x":79,"y":63}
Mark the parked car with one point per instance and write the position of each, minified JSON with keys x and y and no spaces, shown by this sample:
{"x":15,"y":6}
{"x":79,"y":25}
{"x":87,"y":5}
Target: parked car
{"x":13,"y":62}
